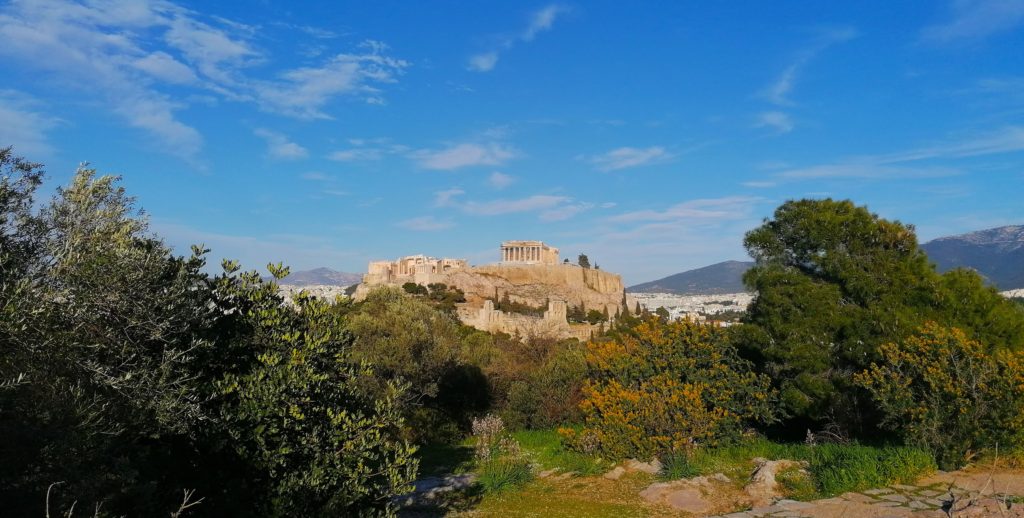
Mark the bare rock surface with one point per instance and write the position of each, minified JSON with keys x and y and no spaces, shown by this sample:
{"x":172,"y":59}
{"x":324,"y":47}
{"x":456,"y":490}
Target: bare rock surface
{"x":427,"y":491}
{"x":763,"y":489}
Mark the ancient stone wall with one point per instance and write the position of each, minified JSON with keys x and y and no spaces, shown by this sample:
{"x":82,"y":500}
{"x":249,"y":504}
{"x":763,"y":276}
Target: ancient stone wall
{"x":552,"y":325}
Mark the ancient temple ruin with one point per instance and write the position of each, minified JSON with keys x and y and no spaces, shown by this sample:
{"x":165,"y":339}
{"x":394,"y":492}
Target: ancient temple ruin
{"x":528,"y":252}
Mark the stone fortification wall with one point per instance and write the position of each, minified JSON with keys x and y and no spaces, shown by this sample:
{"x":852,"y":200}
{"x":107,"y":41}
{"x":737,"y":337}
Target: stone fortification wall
{"x":552,"y":325}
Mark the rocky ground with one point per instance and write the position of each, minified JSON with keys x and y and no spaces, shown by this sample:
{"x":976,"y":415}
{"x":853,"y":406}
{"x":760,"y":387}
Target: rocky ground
{"x":960,"y":494}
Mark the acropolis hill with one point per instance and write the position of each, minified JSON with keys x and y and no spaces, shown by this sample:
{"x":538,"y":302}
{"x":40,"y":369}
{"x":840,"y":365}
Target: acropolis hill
{"x":529,"y":273}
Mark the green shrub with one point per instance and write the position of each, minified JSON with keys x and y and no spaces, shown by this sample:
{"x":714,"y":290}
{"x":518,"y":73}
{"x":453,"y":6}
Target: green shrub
{"x":668,"y":387}
{"x":949,"y":394}
{"x":676,"y":466}
{"x":136,"y":375}
{"x":501,"y":473}
{"x":549,"y":394}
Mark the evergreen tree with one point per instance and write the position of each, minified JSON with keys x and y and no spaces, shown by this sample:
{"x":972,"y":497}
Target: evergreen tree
{"x":834,"y":282}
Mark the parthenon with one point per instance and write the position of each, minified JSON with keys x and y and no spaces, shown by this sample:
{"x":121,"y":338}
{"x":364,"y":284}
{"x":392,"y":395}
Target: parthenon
{"x":528,"y":252}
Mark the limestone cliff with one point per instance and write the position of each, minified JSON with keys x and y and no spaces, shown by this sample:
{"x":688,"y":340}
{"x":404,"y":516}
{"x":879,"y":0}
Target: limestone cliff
{"x":537,"y":284}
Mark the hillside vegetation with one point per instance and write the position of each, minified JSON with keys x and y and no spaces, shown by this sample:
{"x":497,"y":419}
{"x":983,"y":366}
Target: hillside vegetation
{"x":133,"y":382}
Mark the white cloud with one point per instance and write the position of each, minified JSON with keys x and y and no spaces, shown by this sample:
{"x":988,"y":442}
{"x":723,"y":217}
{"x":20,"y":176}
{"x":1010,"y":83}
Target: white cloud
{"x":164,"y":67}
{"x":304,"y":92}
{"x":316,"y":176}
{"x":425,"y":224}
{"x":759,"y":184}
{"x":565,"y":212}
{"x":355,"y":155}
{"x":541,"y":20}
{"x":778,"y":91}
{"x":279,"y":146}
{"x":779,"y":122}
{"x":254,"y":252}
{"x":463,"y":155}
{"x":126,"y":53}
{"x":23,"y":126}
{"x":713,"y":209}
{"x":447,"y":198}
{"x":484,"y":62}
{"x":535,"y":203}
{"x":626,"y":157}
{"x":1009,"y":139}
{"x":547,"y":207}
{"x":976,"y":19}
{"x":500,"y":180}
{"x":866,"y":171}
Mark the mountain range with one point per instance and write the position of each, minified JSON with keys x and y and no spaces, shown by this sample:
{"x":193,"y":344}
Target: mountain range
{"x":725,"y":277}
{"x":322,"y":276}
{"x":996,"y":253}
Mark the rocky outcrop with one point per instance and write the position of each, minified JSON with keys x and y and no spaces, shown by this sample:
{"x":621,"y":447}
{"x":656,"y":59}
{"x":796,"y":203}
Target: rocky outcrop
{"x":763,"y":489}
{"x":537,"y":284}
{"x":556,"y":287}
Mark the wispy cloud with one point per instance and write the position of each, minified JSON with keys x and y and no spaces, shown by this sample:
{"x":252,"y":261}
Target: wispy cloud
{"x":279,"y":146}
{"x":304,"y":92}
{"x":565,"y":212}
{"x":714,"y":209}
{"x":254,"y":252}
{"x":447,"y":197}
{"x":356,"y":155}
{"x":779,"y":122}
{"x":425,"y":224}
{"x":651,"y":243}
{"x":535,"y":203}
{"x":127,"y":54}
{"x":547,"y":207}
{"x":867,"y":170}
{"x":540,"y":21}
{"x":484,"y":62}
{"x":627,"y":157}
{"x":975,"y":19}
{"x":458,"y":156}
{"x":500,"y":180}
{"x":901,"y":164}
{"x":23,"y":125}
{"x":317,"y":176}
{"x":778,"y":91}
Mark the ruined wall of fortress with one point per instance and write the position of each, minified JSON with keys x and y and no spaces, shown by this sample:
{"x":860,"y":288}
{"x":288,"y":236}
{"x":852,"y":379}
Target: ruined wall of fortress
{"x":553,"y":286}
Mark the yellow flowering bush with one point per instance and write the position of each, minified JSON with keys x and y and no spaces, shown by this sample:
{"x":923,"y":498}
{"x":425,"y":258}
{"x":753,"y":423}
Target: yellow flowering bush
{"x":949,"y":393}
{"x":667,"y":387}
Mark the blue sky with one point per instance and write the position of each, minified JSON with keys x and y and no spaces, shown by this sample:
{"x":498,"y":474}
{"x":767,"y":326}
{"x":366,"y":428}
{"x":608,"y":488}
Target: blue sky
{"x":648,"y":135}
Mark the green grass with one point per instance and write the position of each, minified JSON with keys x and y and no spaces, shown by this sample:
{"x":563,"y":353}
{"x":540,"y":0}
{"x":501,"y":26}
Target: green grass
{"x":546,"y":449}
{"x":834,"y":468}
{"x":504,"y":473}
{"x":841,"y":468}
{"x":442,"y":459}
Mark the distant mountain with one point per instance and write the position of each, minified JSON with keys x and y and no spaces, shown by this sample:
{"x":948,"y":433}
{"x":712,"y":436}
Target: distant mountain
{"x":996,"y":253}
{"x":322,"y":276}
{"x":716,"y":279}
